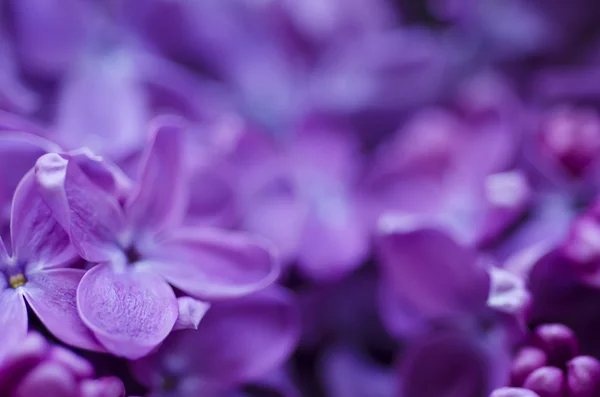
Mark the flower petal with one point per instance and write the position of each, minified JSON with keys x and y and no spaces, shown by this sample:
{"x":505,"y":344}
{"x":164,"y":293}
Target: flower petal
{"x":160,"y":199}
{"x":13,"y":320}
{"x":431,"y":272}
{"x":49,"y":380}
{"x":214,"y":264}
{"x":109,"y":386}
{"x":450,"y":364}
{"x":51,"y":295}
{"x":346,"y":373}
{"x":101,"y":104}
{"x":91,"y":216}
{"x":191,"y":312}
{"x":333,"y":242}
{"x":129,"y":312}
{"x":104,"y":174}
{"x":37,"y":238}
{"x":18,"y":154}
{"x":238,"y":340}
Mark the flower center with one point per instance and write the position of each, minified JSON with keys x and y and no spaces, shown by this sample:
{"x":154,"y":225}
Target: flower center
{"x":132,"y":255}
{"x":17,"y":280}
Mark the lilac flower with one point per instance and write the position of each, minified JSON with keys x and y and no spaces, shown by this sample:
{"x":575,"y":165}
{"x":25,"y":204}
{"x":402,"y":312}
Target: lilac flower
{"x":48,"y":38}
{"x":36,"y":368}
{"x":35,"y":274}
{"x":441,"y":171}
{"x":18,"y":154}
{"x":126,"y":299}
{"x":461,"y":313}
{"x":237,"y":341}
{"x":304,"y":198}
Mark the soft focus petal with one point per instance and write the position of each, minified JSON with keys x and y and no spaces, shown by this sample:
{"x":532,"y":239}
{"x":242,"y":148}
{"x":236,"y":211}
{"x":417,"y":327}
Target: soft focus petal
{"x":13,"y":320}
{"x":25,"y":355}
{"x":130,"y":312}
{"x":214,"y":264}
{"x":161,"y":198}
{"x":103,"y":387}
{"x":278,"y":216}
{"x":78,"y":366}
{"x":237,"y":341}
{"x":431,"y":272}
{"x":333,"y":241}
{"x":191,"y":312}
{"x":91,"y":216}
{"x":101,"y":104}
{"x":347,"y":373}
{"x":452,"y":364}
{"x":51,"y":294}
{"x":513,"y":392}
{"x":48,"y":380}
{"x":48,"y":35}
{"x":37,"y":238}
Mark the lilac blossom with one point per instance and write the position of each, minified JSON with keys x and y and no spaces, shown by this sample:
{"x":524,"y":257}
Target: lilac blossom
{"x":217,"y":357}
{"x":35,"y":367}
{"x":126,"y":299}
{"x":441,"y":171}
{"x":461,"y":313}
{"x":304,"y":197}
{"x":35,"y":272}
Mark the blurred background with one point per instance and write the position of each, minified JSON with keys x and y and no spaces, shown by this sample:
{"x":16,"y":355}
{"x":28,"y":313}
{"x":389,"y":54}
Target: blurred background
{"x":331,"y":126}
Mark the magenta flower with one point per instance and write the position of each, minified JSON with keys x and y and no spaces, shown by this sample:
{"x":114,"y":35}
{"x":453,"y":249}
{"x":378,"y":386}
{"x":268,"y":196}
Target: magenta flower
{"x":126,"y":299}
{"x":238,"y":341}
{"x":35,"y":274}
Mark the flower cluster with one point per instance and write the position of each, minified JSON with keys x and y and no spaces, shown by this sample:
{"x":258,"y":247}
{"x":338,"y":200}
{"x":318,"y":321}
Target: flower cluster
{"x":324,"y":198}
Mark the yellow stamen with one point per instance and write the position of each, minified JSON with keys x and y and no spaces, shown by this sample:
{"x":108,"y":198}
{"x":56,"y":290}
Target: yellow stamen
{"x":17,"y":280}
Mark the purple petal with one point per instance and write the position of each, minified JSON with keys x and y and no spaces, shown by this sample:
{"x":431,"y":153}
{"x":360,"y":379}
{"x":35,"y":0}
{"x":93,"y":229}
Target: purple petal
{"x":79,"y":366}
{"x":212,"y":264}
{"x":346,"y":373}
{"x":513,"y":392}
{"x":191,"y":312}
{"x":333,"y":242}
{"x":161,"y":198}
{"x":48,"y":35}
{"x":219,"y":352}
{"x":130,"y":312}
{"x":101,"y":105}
{"x":104,"y":387}
{"x":48,"y":380}
{"x":30,"y":351}
{"x":37,"y":238}
{"x":102,"y":172}
{"x":51,"y":294}
{"x":92,"y":217}
{"x":431,"y":272}
{"x":18,"y":154}
{"x":279,"y":217}
{"x":453,"y":364}
{"x":13,"y":319}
